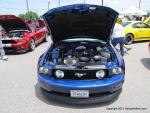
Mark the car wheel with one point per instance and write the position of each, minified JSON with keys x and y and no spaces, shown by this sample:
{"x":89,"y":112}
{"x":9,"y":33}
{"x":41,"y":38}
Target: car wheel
{"x":129,"y":39}
{"x":46,"y":38}
{"x":32,"y":44}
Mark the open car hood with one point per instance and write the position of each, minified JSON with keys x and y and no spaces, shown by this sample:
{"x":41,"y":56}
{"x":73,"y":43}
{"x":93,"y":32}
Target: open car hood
{"x":80,"y":20}
{"x":11,"y":22}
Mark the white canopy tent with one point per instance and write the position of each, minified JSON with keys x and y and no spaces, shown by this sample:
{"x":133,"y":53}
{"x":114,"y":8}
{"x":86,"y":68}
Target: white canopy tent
{"x":133,"y":11}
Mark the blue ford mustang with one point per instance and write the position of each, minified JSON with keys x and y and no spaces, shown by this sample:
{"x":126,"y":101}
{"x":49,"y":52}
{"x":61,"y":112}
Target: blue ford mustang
{"x":81,"y":66}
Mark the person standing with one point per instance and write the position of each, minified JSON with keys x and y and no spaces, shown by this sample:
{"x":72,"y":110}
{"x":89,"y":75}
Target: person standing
{"x":2,"y":52}
{"x":118,"y":36}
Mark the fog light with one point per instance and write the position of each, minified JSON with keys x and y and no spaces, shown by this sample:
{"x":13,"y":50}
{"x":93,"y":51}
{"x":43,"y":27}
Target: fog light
{"x":59,"y":74}
{"x":43,"y":70}
{"x":100,"y":74}
{"x":116,"y":70}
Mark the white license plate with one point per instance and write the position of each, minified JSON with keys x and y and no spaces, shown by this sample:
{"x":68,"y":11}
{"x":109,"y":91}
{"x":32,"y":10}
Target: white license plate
{"x":6,"y":45}
{"x":79,"y":93}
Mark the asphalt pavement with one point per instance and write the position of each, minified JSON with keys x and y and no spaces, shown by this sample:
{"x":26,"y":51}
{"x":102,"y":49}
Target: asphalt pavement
{"x":20,"y":93}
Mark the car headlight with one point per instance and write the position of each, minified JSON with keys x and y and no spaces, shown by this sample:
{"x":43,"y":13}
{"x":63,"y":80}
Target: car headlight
{"x":43,"y":70}
{"x":21,"y":40}
{"x":100,"y":74}
{"x":117,"y":70}
{"x":59,"y":74}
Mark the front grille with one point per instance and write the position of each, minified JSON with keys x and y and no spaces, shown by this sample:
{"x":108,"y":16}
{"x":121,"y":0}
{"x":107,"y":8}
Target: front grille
{"x":9,"y":49}
{"x":8,"y":42}
{"x":79,"y":74}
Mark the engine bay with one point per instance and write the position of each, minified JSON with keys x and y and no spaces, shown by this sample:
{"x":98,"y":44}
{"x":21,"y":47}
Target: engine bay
{"x":17,"y":33}
{"x":79,"y":54}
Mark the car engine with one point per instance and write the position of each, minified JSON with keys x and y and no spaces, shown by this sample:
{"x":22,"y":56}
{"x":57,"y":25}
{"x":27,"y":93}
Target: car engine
{"x":17,"y":33}
{"x":83,"y":53}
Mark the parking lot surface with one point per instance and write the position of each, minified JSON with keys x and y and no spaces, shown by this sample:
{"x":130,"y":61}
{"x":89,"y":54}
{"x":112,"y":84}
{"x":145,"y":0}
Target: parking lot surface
{"x":20,"y":93}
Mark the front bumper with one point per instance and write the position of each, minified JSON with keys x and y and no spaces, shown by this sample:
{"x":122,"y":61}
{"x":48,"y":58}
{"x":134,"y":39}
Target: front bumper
{"x":18,"y":47}
{"x":102,"y":90}
{"x":99,"y":98}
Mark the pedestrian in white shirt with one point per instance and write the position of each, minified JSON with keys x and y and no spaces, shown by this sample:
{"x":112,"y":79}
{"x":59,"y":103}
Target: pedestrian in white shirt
{"x":2,"y":52}
{"x":118,"y":36}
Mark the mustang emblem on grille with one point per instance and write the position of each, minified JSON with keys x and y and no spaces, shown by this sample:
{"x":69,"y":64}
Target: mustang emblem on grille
{"x":80,"y":74}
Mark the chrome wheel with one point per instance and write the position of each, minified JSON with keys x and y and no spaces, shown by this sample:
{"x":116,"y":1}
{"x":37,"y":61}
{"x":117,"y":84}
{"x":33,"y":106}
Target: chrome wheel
{"x":32,"y":45}
{"x":129,"y":39}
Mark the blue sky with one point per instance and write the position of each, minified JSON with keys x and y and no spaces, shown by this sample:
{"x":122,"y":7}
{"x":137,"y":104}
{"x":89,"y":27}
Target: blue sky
{"x":41,"y":6}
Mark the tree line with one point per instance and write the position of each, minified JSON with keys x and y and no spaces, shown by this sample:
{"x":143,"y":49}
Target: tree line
{"x":29,"y":15}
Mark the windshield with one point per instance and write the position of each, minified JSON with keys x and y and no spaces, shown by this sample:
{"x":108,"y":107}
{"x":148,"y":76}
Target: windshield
{"x":32,"y":26}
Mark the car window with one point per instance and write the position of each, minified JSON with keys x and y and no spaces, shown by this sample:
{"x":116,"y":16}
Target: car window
{"x":125,"y":23}
{"x":136,"y":25}
{"x":140,"y":25}
{"x":148,"y":22}
{"x":32,"y":26}
{"x":37,"y":24}
{"x":143,"y":25}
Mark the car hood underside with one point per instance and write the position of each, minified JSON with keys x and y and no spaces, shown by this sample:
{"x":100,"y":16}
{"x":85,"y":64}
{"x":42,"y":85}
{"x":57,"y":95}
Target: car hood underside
{"x":81,"y":19}
{"x":11,"y":22}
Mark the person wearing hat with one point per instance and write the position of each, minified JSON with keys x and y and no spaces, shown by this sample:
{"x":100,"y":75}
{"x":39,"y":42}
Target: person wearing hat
{"x":2,"y":52}
{"x":118,"y":36}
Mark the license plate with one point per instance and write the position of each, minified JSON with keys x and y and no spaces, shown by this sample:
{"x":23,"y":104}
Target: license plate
{"x":79,"y":93}
{"x":6,"y":45}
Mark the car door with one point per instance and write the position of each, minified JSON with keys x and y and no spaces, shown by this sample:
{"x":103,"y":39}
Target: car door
{"x":34,"y":31}
{"x":37,"y":33}
{"x":141,"y":30}
{"x":42,"y":28}
{"x":145,"y":31}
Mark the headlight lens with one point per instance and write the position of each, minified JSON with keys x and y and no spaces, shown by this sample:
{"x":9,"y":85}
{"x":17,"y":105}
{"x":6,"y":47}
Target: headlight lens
{"x":59,"y":74}
{"x":117,"y":70}
{"x":43,"y":70}
{"x":100,"y":74}
{"x":21,"y":40}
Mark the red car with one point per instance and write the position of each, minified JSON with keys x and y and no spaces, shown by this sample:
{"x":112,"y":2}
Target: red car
{"x":20,"y":36}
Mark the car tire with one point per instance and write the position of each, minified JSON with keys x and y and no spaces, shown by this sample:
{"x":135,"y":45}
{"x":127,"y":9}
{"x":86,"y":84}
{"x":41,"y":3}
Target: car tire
{"x":129,"y":39}
{"x":32,"y":44}
{"x":46,"y":38}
